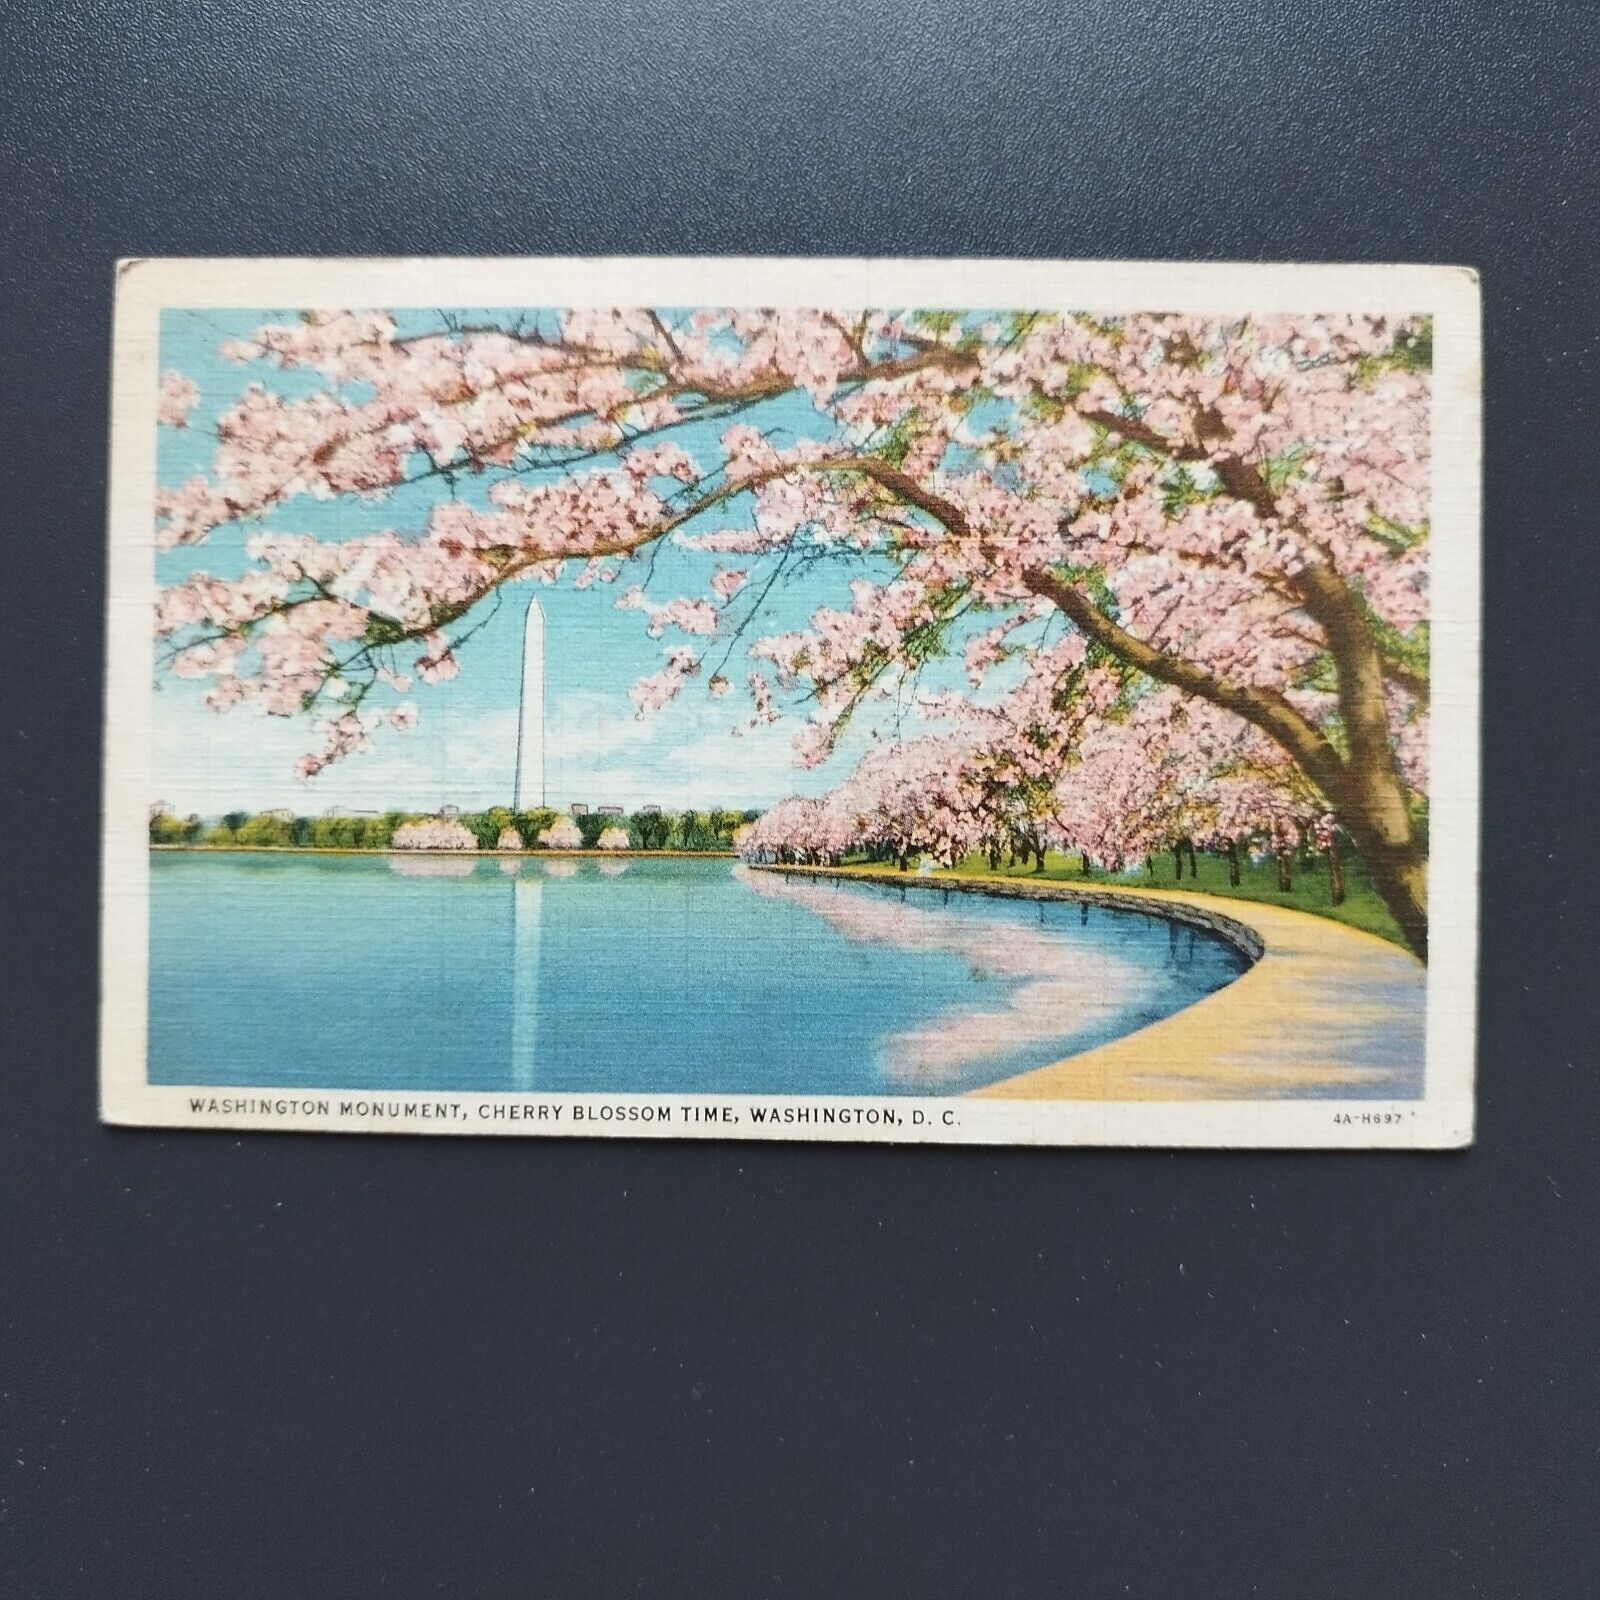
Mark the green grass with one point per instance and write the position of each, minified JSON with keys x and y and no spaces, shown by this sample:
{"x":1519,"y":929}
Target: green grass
{"x":1362,"y":908}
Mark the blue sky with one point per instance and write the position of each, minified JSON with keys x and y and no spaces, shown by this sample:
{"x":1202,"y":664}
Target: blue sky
{"x":464,"y":750}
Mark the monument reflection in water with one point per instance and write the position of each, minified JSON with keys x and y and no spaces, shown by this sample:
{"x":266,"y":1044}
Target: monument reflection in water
{"x":527,"y":913}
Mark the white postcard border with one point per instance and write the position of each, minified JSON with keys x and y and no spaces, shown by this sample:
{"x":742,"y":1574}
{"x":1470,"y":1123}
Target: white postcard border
{"x":1443,"y":1118}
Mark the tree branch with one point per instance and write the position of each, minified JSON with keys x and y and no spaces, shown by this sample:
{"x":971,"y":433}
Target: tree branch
{"x":1262,"y":708}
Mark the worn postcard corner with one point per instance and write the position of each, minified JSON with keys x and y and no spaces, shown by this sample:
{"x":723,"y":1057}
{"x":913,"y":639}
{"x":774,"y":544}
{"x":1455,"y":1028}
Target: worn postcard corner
{"x":926,"y":701}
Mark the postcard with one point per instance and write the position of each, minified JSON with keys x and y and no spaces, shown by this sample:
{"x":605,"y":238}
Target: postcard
{"x":991,"y":702}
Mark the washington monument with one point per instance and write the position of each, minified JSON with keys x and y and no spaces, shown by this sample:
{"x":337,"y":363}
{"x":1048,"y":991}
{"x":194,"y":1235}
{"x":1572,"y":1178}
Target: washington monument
{"x":530,"y":714}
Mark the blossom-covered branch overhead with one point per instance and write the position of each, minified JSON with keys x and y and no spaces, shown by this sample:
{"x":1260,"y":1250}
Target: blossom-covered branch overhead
{"x":1087,"y":512}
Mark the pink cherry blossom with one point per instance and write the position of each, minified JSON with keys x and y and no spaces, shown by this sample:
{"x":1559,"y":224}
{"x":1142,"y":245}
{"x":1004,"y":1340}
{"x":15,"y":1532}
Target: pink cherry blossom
{"x":177,"y":400}
{"x":652,"y":693}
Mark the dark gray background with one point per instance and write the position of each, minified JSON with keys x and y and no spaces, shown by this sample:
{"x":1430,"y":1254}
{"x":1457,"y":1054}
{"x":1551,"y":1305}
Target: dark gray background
{"x":292,"y":1367}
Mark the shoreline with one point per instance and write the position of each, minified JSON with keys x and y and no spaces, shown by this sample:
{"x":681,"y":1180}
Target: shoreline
{"x":1322,"y":1007}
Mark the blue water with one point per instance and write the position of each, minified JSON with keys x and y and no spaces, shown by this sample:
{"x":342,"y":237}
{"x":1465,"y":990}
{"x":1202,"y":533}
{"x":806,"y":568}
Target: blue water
{"x":640,"y":976}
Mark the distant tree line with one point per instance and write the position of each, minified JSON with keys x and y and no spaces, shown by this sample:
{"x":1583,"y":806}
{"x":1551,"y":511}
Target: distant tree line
{"x":646,"y":830}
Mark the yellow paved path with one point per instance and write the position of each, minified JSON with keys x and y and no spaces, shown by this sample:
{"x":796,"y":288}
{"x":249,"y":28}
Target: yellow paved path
{"x":1322,"y":1006}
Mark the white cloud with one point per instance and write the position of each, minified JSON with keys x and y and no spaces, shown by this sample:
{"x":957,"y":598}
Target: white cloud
{"x":717,"y":769}
{"x":582,"y":725}
{"x":209,"y":762}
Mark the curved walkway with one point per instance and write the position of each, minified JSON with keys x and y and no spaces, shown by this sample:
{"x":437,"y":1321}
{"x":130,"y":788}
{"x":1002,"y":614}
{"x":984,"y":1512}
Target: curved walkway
{"x":1322,"y":1010}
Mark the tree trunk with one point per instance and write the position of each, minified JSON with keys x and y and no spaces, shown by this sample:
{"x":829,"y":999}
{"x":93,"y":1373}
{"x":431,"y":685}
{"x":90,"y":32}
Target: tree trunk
{"x":1233,"y":863}
{"x":1400,"y":875}
{"x":1335,"y":871}
{"x":1285,"y":871}
{"x":1083,"y":862}
{"x":1372,"y":808}
{"x":1177,"y":862}
{"x":1370,"y":796}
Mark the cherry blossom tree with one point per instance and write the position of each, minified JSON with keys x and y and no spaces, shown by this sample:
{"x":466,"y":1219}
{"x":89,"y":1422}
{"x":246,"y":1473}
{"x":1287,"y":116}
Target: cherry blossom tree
{"x":509,"y":839}
{"x":562,"y":834}
{"x":1090,"y":511}
{"x":613,"y":839}
{"x":434,"y":833}
{"x":797,"y":832}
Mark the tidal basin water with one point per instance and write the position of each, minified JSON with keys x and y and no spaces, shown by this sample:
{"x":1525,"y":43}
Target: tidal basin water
{"x":686,"y":976}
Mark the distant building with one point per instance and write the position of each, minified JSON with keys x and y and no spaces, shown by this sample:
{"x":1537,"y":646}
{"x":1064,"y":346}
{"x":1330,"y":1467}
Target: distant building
{"x":649,"y":811}
{"x":579,"y":809}
{"x":281,"y":814}
{"x":335,"y":812}
{"x":161,"y":808}
{"x":609,"y":811}
{"x":449,"y":813}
